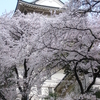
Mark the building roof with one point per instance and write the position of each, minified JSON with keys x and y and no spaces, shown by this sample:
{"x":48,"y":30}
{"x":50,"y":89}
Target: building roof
{"x":35,"y":6}
{"x":31,"y":4}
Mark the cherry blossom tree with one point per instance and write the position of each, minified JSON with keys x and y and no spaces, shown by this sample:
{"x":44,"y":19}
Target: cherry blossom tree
{"x":22,"y":49}
{"x":7,"y":84}
{"x":75,"y":41}
{"x":34,"y":46}
{"x":17,"y":46}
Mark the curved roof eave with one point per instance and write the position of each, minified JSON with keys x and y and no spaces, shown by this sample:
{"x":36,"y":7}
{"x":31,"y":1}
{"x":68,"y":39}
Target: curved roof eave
{"x":42,"y":6}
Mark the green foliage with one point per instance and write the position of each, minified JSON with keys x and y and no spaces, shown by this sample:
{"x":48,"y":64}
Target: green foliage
{"x":97,"y":94}
{"x":51,"y":95}
{"x":67,"y":69}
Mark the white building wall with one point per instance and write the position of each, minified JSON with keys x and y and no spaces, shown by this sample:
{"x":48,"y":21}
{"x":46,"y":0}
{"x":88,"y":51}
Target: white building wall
{"x":51,"y":3}
{"x":50,"y":83}
{"x":53,"y":82}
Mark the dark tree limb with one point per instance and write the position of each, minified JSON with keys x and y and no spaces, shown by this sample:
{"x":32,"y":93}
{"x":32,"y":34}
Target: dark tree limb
{"x":2,"y":96}
{"x":95,"y":74}
{"x":77,"y":78}
{"x":17,"y":74}
{"x":79,"y":81}
{"x":25,"y":69}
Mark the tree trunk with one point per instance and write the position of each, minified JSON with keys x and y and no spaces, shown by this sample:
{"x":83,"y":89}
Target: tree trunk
{"x":2,"y":96}
{"x":24,"y":97}
{"x":78,"y":80}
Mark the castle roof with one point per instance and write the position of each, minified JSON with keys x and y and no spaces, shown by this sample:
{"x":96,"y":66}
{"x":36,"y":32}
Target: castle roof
{"x":40,"y":6}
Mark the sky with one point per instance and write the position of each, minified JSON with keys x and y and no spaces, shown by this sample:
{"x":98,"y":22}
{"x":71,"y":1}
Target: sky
{"x":7,"y":6}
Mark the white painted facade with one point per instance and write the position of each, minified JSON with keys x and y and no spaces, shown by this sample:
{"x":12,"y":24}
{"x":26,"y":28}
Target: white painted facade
{"x":53,"y":82}
{"x":50,"y":3}
{"x":49,"y":85}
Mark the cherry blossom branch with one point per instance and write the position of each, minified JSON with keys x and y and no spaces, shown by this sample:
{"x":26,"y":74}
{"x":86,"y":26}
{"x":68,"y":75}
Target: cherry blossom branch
{"x":2,"y":96}
{"x":17,"y":74}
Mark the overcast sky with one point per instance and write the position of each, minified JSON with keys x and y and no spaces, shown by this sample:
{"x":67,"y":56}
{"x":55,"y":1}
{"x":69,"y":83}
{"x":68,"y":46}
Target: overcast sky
{"x":9,"y":5}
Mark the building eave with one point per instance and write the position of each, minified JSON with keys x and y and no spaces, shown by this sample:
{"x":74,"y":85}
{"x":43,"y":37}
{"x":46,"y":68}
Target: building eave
{"x":39,"y":6}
